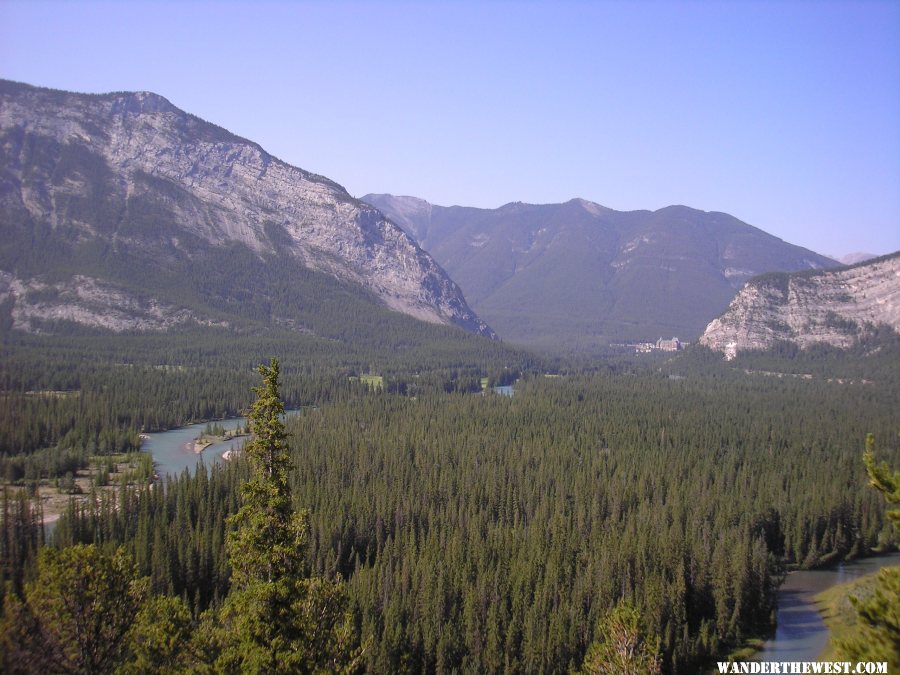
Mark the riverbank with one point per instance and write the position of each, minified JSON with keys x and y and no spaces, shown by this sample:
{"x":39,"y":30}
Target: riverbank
{"x":801,"y":633}
{"x":215,"y":442}
{"x":838,"y":612}
{"x":105,"y":474}
{"x":204,"y":440}
{"x":197,"y":445}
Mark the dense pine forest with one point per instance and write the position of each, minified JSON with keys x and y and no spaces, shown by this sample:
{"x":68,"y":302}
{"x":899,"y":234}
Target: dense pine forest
{"x":465,"y":530}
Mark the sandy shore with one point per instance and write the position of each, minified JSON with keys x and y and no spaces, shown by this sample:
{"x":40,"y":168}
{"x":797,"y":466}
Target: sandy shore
{"x":199,"y":446}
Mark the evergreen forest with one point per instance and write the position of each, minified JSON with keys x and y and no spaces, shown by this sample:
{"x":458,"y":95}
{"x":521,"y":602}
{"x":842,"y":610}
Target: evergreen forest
{"x":441,"y":527}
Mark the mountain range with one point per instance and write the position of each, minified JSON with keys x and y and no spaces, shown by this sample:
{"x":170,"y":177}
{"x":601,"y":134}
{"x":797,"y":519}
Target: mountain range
{"x":578,"y":275}
{"x":122,"y":212}
{"x":857,"y":257}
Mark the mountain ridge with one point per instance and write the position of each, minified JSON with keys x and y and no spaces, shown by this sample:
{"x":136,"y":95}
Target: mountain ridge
{"x":134,"y":174}
{"x":581,"y":274}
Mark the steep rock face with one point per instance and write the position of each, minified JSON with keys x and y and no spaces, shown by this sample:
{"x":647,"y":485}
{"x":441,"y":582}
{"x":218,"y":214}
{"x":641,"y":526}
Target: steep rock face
{"x":89,"y":302}
{"x":137,"y":174}
{"x":579,"y":274}
{"x":835,"y":307}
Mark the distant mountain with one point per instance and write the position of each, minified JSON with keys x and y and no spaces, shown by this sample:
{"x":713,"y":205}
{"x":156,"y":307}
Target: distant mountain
{"x":835,"y":307}
{"x":122,"y":212}
{"x":853,"y":258}
{"x":578,"y":275}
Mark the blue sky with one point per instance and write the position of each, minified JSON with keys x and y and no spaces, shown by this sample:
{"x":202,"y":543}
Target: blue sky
{"x":784,"y":114}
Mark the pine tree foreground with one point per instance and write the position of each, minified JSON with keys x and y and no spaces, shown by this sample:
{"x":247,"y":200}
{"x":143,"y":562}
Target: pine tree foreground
{"x":276,"y":619}
{"x":623,"y":646}
{"x":75,"y":616}
{"x":878,"y":616}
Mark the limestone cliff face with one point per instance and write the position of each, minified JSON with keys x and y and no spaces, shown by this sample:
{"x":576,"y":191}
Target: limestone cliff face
{"x":89,"y":302}
{"x":137,"y":172}
{"x":836,"y":307}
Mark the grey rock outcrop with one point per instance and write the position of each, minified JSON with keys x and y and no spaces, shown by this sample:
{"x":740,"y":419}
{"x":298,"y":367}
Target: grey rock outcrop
{"x":90,"y":302}
{"x":836,"y":307}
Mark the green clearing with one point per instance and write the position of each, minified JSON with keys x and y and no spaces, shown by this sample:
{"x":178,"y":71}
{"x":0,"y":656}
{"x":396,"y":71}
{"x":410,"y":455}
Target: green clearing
{"x":376,"y":381}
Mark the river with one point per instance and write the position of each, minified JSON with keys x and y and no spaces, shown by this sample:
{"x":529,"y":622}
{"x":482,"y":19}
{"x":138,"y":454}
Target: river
{"x":801,"y":635}
{"x":173,"y":450}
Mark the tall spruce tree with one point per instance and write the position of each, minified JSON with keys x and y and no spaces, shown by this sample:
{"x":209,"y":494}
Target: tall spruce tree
{"x":276,"y":619}
{"x":268,"y":541}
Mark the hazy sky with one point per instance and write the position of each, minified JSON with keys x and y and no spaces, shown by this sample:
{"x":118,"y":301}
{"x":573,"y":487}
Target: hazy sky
{"x":784,"y":114}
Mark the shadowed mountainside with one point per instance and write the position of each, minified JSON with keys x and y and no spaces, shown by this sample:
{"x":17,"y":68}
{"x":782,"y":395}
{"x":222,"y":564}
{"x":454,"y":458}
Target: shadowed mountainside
{"x":580,"y":275}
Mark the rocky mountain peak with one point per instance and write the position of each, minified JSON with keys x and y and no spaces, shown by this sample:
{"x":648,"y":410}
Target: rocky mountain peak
{"x":133,"y":171}
{"x":591,"y":207}
{"x":141,"y":103}
{"x":410,"y":213}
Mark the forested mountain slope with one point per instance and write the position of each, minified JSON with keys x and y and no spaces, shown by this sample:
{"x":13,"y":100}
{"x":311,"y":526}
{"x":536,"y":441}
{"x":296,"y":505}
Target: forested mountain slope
{"x":580,"y":275}
{"x":123,"y":212}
